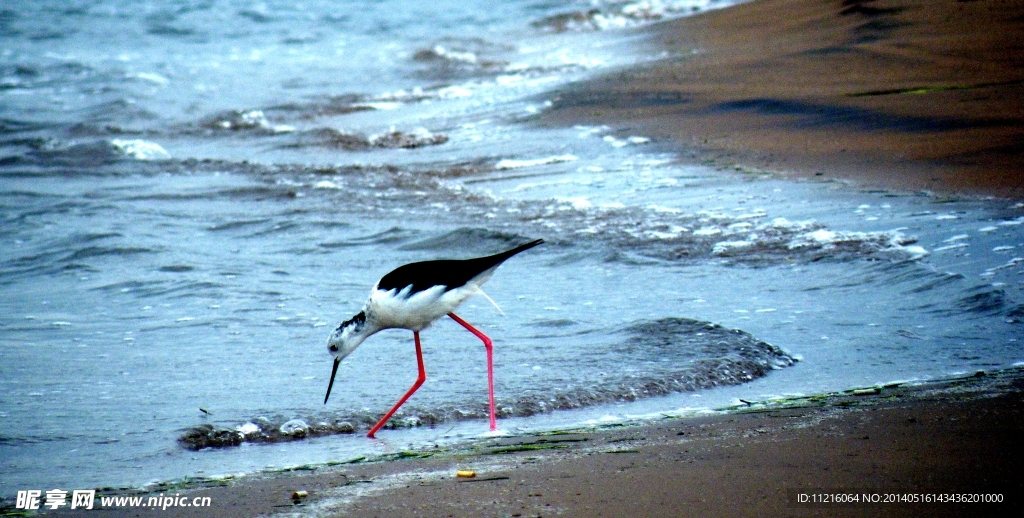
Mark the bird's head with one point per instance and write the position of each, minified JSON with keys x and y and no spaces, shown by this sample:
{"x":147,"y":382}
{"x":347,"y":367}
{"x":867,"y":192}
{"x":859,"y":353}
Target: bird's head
{"x":343,"y":341}
{"x":347,"y":337}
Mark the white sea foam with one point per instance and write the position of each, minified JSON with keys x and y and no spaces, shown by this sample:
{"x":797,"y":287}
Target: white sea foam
{"x":326,"y":184}
{"x":454,"y":92}
{"x":381,"y":105}
{"x":915,"y":251}
{"x":152,"y":78}
{"x":619,"y":15}
{"x":615,"y":142}
{"x":250,"y":120}
{"x":723,"y":247}
{"x":707,"y":231}
{"x":1009,"y":264}
{"x":577,"y":202}
{"x":513,"y":164}
{"x":454,"y":55}
{"x":953,"y":246}
{"x":140,"y":149}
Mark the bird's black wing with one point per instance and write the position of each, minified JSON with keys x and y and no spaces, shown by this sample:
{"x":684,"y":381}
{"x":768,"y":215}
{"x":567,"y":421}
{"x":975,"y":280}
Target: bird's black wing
{"x":450,"y":273}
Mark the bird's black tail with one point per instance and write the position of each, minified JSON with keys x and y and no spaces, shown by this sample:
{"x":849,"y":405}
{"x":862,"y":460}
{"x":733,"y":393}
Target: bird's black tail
{"x":484,"y":266}
{"x":502,"y":257}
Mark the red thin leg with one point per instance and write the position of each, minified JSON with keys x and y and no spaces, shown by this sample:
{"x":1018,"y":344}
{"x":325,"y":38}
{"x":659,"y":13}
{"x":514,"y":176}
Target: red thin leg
{"x":490,"y":364}
{"x":419,"y":381}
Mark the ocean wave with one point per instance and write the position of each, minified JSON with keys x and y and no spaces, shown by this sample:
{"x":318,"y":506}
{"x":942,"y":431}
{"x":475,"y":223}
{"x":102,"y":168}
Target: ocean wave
{"x":417,"y":138}
{"x":677,"y":355}
{"x":467,"y":239}
{"x":254,"y":121}
{"x":618,"y":14}
{"x":391,"y":235}
{"x":748,"y":236}
{"x":54,"y":258}
{"x":337,"y":139}
{"x":239,"y":224}
{"x":52,"y":152}
{"x":451,"y":58}
{"x":515,"y":164}
{"x":166,"y":288}
{"x":983,"y":299}
{"x":327,"y":106}
{"x":979,"y":301}
{"x":120,"y":110}
{"x":12,"y":126}
{"x":331,"y":138}
{"x":489,"y":80}
{"x":140,"y":149}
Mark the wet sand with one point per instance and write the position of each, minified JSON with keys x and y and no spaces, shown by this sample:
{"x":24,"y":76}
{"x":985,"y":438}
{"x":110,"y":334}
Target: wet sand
{"x":959,"y":437}
{"x":898,"y":94}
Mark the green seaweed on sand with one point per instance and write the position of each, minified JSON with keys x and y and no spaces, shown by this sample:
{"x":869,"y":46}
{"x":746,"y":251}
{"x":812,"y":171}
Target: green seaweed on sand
{"x":11,"y":511}
{"x":556,"y":432}
{"x":525,"y":447}
{"x":560,"y":437}
{"x":407,"y":454}
{"x":187,"y":482}
{"x":355,"y":460}
{"x":300,"y":467}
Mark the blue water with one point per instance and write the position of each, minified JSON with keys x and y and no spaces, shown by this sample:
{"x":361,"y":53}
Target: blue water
{"x":194,"y":194}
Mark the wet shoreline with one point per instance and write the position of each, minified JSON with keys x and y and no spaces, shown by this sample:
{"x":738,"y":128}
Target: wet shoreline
{"x":751,"y":457}
{"x":896,"y":94}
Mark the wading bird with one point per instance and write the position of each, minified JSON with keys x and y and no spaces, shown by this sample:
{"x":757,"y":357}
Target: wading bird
{"x":412,"y":297}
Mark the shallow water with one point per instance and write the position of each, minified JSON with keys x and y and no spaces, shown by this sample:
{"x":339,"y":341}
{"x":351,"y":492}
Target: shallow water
{"x":194,"y":194}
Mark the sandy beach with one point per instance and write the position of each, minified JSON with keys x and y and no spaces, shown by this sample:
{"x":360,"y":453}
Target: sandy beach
{"x":900,"y":94}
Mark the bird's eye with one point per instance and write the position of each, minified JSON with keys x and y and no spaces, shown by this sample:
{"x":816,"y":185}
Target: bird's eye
{"x":333,"y":348}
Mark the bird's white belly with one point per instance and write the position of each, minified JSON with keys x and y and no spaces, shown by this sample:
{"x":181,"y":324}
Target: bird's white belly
{"x":395,"y":310}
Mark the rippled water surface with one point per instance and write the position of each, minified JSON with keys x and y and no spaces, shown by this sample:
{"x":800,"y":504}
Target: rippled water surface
{"x":193,"y":194}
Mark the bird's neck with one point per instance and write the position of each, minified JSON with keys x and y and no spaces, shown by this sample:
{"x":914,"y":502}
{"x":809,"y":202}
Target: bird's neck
{"x":359,"y":327}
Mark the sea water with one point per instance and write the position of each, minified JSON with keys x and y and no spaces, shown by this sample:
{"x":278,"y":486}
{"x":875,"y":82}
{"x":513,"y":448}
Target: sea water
{"x":194,"y":194}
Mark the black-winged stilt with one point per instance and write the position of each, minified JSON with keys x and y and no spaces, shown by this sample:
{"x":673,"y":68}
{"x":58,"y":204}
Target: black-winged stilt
{"x":411,"y":297}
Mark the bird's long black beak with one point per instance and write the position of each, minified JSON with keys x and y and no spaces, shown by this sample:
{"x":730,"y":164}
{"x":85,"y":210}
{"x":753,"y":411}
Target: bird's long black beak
{"x":331,"y":384}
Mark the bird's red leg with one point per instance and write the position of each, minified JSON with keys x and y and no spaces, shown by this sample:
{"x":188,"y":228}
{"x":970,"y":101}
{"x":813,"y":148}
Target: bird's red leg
{"x":490,"y":364}
{"x":419,"y":381}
